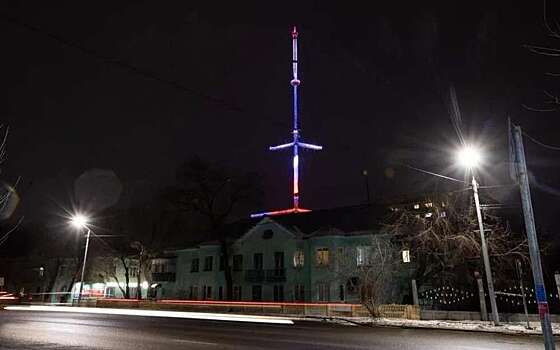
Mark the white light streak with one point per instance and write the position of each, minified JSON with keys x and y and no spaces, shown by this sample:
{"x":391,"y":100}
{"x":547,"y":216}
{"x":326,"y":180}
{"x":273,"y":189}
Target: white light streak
{"x":156,"y":313}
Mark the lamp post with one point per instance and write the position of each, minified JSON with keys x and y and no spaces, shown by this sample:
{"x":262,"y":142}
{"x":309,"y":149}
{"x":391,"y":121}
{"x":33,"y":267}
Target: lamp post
{"x":470,"y":158}
{"x":80,"y":221}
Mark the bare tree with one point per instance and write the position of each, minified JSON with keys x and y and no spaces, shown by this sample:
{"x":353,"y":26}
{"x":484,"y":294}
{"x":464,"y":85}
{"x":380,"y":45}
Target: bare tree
{"x":443,"y":239}
{"x":369,"y":271}
{"x":216,"y":193}
{"x":8,"y":195}
{"x":552,"y":100}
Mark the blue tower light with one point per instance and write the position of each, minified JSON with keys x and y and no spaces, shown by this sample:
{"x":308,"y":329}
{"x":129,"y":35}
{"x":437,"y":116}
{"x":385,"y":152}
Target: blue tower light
{"x":296,"y":143}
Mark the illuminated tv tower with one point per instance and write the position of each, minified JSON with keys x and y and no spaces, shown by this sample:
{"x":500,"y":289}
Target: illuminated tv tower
{"x":296,"y":144}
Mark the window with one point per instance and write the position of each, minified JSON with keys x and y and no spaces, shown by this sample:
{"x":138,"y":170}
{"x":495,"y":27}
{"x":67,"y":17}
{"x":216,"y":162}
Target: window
{"x":206,"y":292}
{"x":222,"y":263}
{"x":238,"y":262}
{"x":257,"y":261}
{"x":323,"y":292}
{"x":299,"y":258}
{"x":428,"y":215}
{"x":322,"y":256}
{"x":194,"y":265}
{"x":110,"y":292}
{"x":237,"y":295}
{"x":299,"y":292}
{"x":208,"y":262}
{"x":194,"y":292}
{"x":133,"y":271}
{"x":220,"y":293}
{"x":267,"y":234}
{"x":416,"y":206}
{"x":428,"y":205}
{"x":278,"y":260}
{"x":278,"y":293}
{"x":257,"y":293}
{"x":363,"y":256}
{"x":341,"y":257}
{"x":341,"y":292}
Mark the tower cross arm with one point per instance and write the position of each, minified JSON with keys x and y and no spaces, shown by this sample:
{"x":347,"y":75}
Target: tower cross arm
{"x":309,"y":146}
{"x":286,"y":145}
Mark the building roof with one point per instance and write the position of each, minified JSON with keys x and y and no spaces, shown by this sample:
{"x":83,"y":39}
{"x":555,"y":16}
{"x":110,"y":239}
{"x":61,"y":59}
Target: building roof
{"x":342,"y":221}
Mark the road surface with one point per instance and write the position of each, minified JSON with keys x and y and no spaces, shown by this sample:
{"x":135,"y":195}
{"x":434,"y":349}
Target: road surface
{"x":50,"y":330}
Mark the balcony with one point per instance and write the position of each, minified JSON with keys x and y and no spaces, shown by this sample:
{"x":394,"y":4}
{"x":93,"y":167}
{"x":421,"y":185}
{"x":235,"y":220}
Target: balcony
{"x":163,"y":276}
{"x":254,"y":275}
{"x":276,"y":275}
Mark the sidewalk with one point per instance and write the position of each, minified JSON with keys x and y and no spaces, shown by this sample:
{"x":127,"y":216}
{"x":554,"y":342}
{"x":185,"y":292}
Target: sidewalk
{"x":517,"y":328}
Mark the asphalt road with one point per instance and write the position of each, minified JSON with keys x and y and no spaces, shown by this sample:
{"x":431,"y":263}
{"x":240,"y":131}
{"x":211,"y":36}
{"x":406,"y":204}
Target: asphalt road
{"x":49,"y":330}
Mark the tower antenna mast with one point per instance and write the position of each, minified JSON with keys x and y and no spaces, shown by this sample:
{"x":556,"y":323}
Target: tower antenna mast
{"x":296,"y":144}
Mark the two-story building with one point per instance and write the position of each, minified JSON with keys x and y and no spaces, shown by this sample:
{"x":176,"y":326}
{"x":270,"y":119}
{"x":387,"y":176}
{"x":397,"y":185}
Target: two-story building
{"x":294,"y":257}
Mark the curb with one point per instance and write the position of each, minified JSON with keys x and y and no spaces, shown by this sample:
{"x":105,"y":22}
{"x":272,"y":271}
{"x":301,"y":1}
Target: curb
{"x":478,"y":328}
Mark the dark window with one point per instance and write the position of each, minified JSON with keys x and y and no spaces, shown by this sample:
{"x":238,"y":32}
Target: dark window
{"x":194,"y":265}
{"x":341,"y":292}
{"x":222,"y":263}
{"x":206,"y":292}
{"x":208,"y":262}
{"x":299,"y":292}
{"x":278,"y":293}
{"x":238,"y":262}
{"x":220,"y":293}
{"x":267,"y":234}
{"x":257,"y":293}
{"x":258,"y":261}
{"x":237,"y":295}
{"x":278,"y":260}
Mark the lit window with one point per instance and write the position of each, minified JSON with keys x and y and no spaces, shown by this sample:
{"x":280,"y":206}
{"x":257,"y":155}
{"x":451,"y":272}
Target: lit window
{"x":442,"y":214}
{"x":428,"y":204}
{"x":428,"y":215}
{"x":299,"y":258}
{"x":322,"y":256}
{"x":362,"y":256}
{"x":416,"y":206}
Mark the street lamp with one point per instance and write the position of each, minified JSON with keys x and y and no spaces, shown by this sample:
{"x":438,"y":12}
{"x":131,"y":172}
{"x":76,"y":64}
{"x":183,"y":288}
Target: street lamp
{"x":81,"y":221}
{"x":470,"y":158}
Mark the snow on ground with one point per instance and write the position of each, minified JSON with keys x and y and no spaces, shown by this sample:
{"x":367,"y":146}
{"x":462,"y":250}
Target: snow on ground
{"x":475,"y":326}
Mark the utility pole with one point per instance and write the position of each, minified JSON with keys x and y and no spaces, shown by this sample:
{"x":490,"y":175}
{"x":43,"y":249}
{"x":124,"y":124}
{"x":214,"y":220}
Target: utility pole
{"x":534,"y":252}
{"x":84,"y":267}
{"x":481,"y":297}
{"x":487,"y":269}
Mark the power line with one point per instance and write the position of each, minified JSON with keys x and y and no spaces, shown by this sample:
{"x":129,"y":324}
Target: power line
{"x":435,"y":174}
{"x":554,"y":148}
{"x":122,"y":64}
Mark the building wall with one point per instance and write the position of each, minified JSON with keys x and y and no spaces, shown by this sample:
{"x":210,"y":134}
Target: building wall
{"x":319,"y":283}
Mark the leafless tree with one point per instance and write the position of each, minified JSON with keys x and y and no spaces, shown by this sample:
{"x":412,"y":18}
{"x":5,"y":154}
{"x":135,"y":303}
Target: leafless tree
{"x":369,"y":271}
{"x":215,"y":192}
{"x":8,"y":196}
{"x":444,"y":242}
{"x":552,"y":100}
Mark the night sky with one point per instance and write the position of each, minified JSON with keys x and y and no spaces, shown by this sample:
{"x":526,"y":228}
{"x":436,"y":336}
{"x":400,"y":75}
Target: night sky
{"x":139,"y":88}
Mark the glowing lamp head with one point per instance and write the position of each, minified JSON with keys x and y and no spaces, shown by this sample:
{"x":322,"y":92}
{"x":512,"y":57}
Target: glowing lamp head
{"x":469,"y":157}
{"x":79,"y":221}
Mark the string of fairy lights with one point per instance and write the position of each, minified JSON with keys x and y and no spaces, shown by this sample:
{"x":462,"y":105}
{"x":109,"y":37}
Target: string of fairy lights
{"x":448,"y":295}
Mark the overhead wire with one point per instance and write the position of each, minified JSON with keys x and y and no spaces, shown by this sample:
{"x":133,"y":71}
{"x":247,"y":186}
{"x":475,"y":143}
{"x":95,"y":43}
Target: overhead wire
{"x":554,"y":148}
